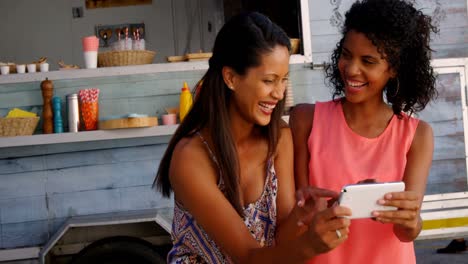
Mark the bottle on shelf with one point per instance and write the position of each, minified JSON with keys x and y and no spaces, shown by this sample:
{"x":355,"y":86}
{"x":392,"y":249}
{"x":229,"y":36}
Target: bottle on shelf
{"x":185,"y":102}
{"x":57,"y":107}
{"x":73,"y":113}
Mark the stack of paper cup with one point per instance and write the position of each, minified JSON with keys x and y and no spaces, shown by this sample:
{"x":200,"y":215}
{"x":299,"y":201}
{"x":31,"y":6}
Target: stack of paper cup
{"x":20,"y":68}
{"x":90,"y":49}
{"x":5,"y":69}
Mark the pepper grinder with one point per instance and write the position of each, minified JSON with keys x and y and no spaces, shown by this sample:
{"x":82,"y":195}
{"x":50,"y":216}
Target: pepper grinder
{"x":47,"y":88}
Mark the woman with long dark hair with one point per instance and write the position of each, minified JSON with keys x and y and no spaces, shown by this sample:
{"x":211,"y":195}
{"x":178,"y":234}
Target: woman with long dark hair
{"x":230,"y":162}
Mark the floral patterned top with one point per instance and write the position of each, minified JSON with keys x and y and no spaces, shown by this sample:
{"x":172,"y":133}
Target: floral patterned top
{"x":191,"y":244}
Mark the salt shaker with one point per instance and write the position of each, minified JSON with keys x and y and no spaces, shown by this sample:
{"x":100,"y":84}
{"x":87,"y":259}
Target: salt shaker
{"x":73,"y":113}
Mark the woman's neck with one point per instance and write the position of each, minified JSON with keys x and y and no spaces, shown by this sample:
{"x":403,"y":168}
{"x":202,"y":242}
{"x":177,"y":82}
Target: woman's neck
{"x":242,"y":131}
{"x":366,"y":111}
{"x":367,"y":119}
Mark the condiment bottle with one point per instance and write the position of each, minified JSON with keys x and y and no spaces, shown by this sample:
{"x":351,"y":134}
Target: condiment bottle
{"x":73,"y":113}
{"x":57,"y":106}
{"x":185,"y":102}
{"x":47,"y":88}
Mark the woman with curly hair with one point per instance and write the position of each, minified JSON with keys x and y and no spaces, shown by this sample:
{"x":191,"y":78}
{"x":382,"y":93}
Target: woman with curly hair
{"x":381,"y":75}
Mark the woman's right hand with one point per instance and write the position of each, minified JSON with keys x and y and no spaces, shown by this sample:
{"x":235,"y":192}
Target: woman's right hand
{"x":329,"y":228}
{"x":311,"y":200}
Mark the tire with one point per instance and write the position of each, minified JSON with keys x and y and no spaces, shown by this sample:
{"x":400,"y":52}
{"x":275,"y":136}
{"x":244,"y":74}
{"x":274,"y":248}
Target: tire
{"x":118,"y":250}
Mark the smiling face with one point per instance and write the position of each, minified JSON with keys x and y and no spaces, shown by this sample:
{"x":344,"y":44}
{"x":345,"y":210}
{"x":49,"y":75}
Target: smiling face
{"x":363,"y":70}
{"x":258,"y":91}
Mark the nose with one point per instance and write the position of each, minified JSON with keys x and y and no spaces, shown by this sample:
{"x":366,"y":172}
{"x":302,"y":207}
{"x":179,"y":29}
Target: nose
{"x":278,"y":92}
{"x":352,"y":68}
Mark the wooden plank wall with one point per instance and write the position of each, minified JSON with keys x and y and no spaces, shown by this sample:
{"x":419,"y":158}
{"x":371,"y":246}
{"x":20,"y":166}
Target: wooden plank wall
{"x":448,"y":171}
{"x":451,"y":16}
{"x":38,"y":192}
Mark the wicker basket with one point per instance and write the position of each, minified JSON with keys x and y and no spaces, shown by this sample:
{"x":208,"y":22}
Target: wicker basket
{"x":125,"y":57}
{"x":18,"y":126}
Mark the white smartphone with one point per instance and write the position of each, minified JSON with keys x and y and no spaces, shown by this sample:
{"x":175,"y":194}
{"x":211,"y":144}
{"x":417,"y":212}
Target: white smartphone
{"x":362,"y":198}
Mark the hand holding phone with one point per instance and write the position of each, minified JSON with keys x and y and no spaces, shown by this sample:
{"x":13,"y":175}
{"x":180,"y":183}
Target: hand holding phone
{"x":362,"y":198}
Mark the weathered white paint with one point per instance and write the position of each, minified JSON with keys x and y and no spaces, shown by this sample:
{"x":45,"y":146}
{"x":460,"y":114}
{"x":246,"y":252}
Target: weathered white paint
{"x":19,"y":253}
{"x":306,"y":36}
{"x":461,"y":71}
{"x":441,"y":207}
{"x":445,"y":196}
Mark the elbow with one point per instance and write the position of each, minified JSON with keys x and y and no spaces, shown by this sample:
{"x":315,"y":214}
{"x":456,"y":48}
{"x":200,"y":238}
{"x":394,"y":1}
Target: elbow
{"x":406,"y":234}
{"x":406,"y":239}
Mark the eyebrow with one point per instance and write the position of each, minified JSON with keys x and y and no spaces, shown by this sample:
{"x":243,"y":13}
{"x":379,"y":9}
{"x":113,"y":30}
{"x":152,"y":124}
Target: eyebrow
{"x":276,"y":75}
{"x":365,"y":56}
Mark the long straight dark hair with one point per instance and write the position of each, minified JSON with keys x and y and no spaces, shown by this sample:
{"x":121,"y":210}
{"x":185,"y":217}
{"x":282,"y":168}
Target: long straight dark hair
{"x":239,"y":45}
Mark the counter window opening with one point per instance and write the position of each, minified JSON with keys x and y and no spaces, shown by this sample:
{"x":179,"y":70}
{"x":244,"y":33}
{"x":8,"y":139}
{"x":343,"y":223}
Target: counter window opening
{"x":173,"y":28}
{"x":292,"y":16}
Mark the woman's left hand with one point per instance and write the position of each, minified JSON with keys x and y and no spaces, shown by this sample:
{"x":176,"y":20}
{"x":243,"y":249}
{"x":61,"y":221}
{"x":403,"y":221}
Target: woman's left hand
{"x":407,"y":215}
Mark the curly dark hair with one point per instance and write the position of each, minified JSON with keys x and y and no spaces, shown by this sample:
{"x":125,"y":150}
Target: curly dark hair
{"x":401,"y":34}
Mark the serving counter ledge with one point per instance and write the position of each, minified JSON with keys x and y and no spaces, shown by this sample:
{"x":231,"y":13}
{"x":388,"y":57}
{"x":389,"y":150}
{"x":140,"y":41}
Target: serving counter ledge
{"x":40,"y":144}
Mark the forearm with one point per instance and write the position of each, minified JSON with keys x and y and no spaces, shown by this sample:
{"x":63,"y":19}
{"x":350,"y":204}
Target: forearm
{"x":292,"y":252}
{"x":289,"y":229}
{"x":406,"y":234}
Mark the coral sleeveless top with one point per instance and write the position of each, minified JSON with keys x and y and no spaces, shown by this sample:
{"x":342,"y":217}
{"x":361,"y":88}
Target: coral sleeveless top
{"x":191,"y":244}
{"x":339,"y":156}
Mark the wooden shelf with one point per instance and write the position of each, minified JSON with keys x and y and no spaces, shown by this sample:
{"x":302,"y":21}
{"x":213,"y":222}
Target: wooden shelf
{"x":86,"y":136}
{"x":103,"y":72}
{"x":117,"y":71}
{"x":45,"y":144}
{"x":89,"y":136}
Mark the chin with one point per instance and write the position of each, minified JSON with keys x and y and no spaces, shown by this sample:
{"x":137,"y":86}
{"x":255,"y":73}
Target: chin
{"x":263,"y":121}
{"x":352,"y":97}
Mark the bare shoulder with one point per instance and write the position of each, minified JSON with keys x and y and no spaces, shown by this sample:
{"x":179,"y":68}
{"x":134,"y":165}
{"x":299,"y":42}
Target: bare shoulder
{"x":302,"y":111}
{"x":186,"y":147}
{"x":285,"y":136}
{"x":424,"y":134}
{"x":423,"y":140}
{"x":190,"y":157}
{"x":301,"y":118}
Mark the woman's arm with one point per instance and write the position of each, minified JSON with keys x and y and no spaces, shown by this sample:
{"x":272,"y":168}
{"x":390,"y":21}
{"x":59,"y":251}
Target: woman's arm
{"x":287,"y":226}
{"x":290,"y":217}
{"x":194,"y":180}
{"x":300,"y":121}
{"x":407,"y":219}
